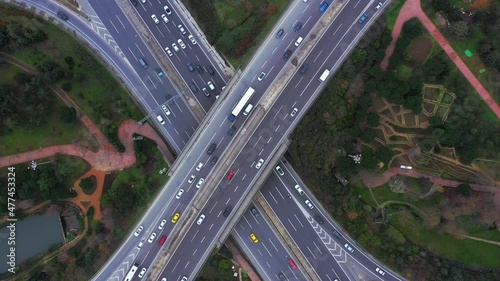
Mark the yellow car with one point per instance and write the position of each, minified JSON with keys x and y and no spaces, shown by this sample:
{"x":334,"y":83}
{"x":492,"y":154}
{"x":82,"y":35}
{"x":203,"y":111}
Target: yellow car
{"x":254,"y":238}
{"x":175,"y":218}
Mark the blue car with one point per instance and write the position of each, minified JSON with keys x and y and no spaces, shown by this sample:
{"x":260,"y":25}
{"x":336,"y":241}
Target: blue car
{"x":363,"y":18}
{"x":159,"y":72}
{"x":324,"y":6}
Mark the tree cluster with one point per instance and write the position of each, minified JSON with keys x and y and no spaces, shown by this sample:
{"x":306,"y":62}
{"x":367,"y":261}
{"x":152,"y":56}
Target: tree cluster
{"x":15,"y":35}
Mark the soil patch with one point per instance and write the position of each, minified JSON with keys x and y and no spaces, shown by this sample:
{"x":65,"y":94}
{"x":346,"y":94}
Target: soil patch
{"x":108,"y":182}
{"x":420,"y":48}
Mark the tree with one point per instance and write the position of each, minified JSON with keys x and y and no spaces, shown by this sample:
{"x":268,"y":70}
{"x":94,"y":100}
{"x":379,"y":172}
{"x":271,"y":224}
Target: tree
{"x":87,"y":184}
{"x":372,"y":119}
{"x":464,"y":190}
{"x":459,"y":30}
{"x":368,"y":135}
{"x":68,"y":114}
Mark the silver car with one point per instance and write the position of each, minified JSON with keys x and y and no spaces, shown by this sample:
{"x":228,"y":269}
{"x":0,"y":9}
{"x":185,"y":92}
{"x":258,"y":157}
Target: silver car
{"x":200,"y":220}
{"x":143,"y":271}
{"x":139,"y":230}
{"x":200,"y":182}
{"x":191,"y":179}
{"x":152,"y":237}
{"x":294,"y":112}
{"x":191,"y":37}
{"x":179,"y":193}
{"x":162,"y":224}
{"x":167,"y":10}
{"x":309,"y":204}
{"x":259,"y":164}
{"x":165,"y":109}
{"x":169,"y":53}
{"x":174,"y":46}
{"x":181,"y":43}
{"x":181,"y":29}
{"x":155,"y":19}
{"x":280,"y":171}
{"x":165,"y":19}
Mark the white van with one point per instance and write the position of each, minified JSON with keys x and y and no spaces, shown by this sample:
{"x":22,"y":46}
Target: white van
{"x":299,"y":40}
{"x":160,"y":119}
{"x":323,"y":76}
{"x":248,"y":109}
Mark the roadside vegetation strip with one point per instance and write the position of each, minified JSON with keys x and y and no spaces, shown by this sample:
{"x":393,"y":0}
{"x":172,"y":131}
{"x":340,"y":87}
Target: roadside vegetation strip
{"x":296,"y":252}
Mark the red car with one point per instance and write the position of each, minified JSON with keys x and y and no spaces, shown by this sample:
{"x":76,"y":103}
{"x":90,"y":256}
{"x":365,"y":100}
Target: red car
{"x":162,"y":240}
{"x":230,"y":175}
{"x":292,"y":264}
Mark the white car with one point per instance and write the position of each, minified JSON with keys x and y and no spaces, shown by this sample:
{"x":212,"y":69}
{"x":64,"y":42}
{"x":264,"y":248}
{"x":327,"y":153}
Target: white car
{"x":162,"y":224}
{"x":349,"y":248}
{"x":200,"y":182}
{"x":191,"y":37}
{"x":152,"y":237}
{"x":179,"y":193}
{"x":200,"y":220}
{"x":200,"y":165}
{"x":299,"y":189}
{"x":165,"y":109}
{"x":211,"y":85}
{"x":167,"y":10}
{"x":380,"y":271}
{"x":174,"y":46}
{"x":169,"y":53}
{"x":280,"y":171}
{"x":259,"y":164}
{"x":143,"y":271}
{"x":164,"y":278}
{"x":378,"y":6}
{"x":155,"y":19}
{"x":294,"y":112}
{"x":140,"y":244}
{"x":261,"y":76}
{"x":181,"y":29}
{"x":309,"y":204}
{"x":165,"y":19}
{"x":143,"y":1}
{"x":181,"y":43}
{"x":138,"y":231}
{"x":191,"y":179}
{"x":184,"y":278}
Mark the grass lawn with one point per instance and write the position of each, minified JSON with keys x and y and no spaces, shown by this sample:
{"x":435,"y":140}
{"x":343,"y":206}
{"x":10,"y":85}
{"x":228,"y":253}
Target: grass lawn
{"x":404,"y":71}
{"x":466,"y":251}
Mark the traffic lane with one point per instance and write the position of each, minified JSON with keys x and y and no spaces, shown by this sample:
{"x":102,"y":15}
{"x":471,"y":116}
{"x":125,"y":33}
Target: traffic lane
{"x":300,"y":229}
{"x":274,"y":260}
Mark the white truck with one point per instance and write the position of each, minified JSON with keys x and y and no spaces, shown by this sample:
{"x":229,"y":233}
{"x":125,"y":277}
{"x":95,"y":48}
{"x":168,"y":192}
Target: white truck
{"x":323,"y":76}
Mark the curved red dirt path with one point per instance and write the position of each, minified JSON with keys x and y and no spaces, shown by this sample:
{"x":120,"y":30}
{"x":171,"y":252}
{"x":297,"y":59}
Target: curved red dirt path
{"x":412,"y":9}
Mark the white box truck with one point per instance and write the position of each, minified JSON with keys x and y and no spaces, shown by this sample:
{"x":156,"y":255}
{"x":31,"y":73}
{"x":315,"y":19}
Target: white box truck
{"x":323,"y":76}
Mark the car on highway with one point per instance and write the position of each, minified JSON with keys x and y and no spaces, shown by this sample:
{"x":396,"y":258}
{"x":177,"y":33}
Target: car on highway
{"x":200,"y":219}
{"x":174,"y":46}
{"x":193,"y":87}
{"x":62,"y":15}
{"x":261,"y":76}
{"x":299,"y":189}
{"x":184,"y":278}
{"x":162,"y":224}
{"x":259,"y":164}
{"x":227,"y":211}
{"x":152,"y":237}
{"x":159,"y":72}
{"x":165,"y":109}
{"x":139,"y":230}
{"x":143,"y":1}
{"x":192,"y":178}
{"x":231,"y":130}
{"x":179,"y":193}
{"x":155,"y":18}
{"x":167,"y":10}
{"x":379,"y":5}
{"x":380,"y":271}
{"x":297,"y":27}
{"x":337,"y":234}
{"x":181,"y":43}
{"x":191,"y":38}
{"x":164,"y":17}
{"x":309,"y":204}
{"x":319,"y":219}
{"x":211,"y":85}
{"x":175,"y":218}
{"x":200,"y":165}
{"x":190,"y":67}
{"x":324,"y":6}
{"x":280,"y":171}
{"x":134,"y":2}
{"x":198,"y":68}
{"x":141,"y":243}
{"x":294,"y":112}
{"x":143,"y":63}
{"x":254,"y":238}
{"x":363,"y":18}
{"x":280,"y":33}
{"x":181,"y":29}
{"x":169,"y":52}
{"x":210,"y":70}
{"x":287,"y":54}
{"x":281,"y":276}
{"x":162,"y":240}
{"x":255,"y":212}
{"x":206,"y":92}
{"x":164,"y":279}
{"x":230,"y":174}
{"x":292,"y":264}
{"x":348,"y":247}
{"x":200,"y":182}
{"x":304,"y":68}
{"x":141,"y":274}
{"x":214,"y":160}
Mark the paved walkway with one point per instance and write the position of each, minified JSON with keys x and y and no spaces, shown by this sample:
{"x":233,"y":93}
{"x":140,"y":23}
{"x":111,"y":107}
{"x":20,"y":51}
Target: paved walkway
{"x":412,"y":9}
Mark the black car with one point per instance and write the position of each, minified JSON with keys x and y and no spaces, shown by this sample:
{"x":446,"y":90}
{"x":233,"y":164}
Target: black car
{"x":134,"y":2}
{"x":336,"y":233}
{"x":287,"y":54}
{"x":227,"y":211}
{"x":255,"y":213}
{"x":214,"y":160}
{"x":193,"y":87}
{"x":280,"y":33}
{"x":62,"y":15}
{"x":232,"y":130}
{"x":198,"y":68}
{"x":319,"y":219}
{"x":210,"y":70}
{"x":304,"y":68}
{"x":297,"y":27}
{"x":282,"y":276}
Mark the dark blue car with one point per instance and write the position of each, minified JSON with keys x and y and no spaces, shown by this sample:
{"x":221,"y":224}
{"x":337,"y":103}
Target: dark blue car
{"x":324,"y":6}
{"x":363,"y":18}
